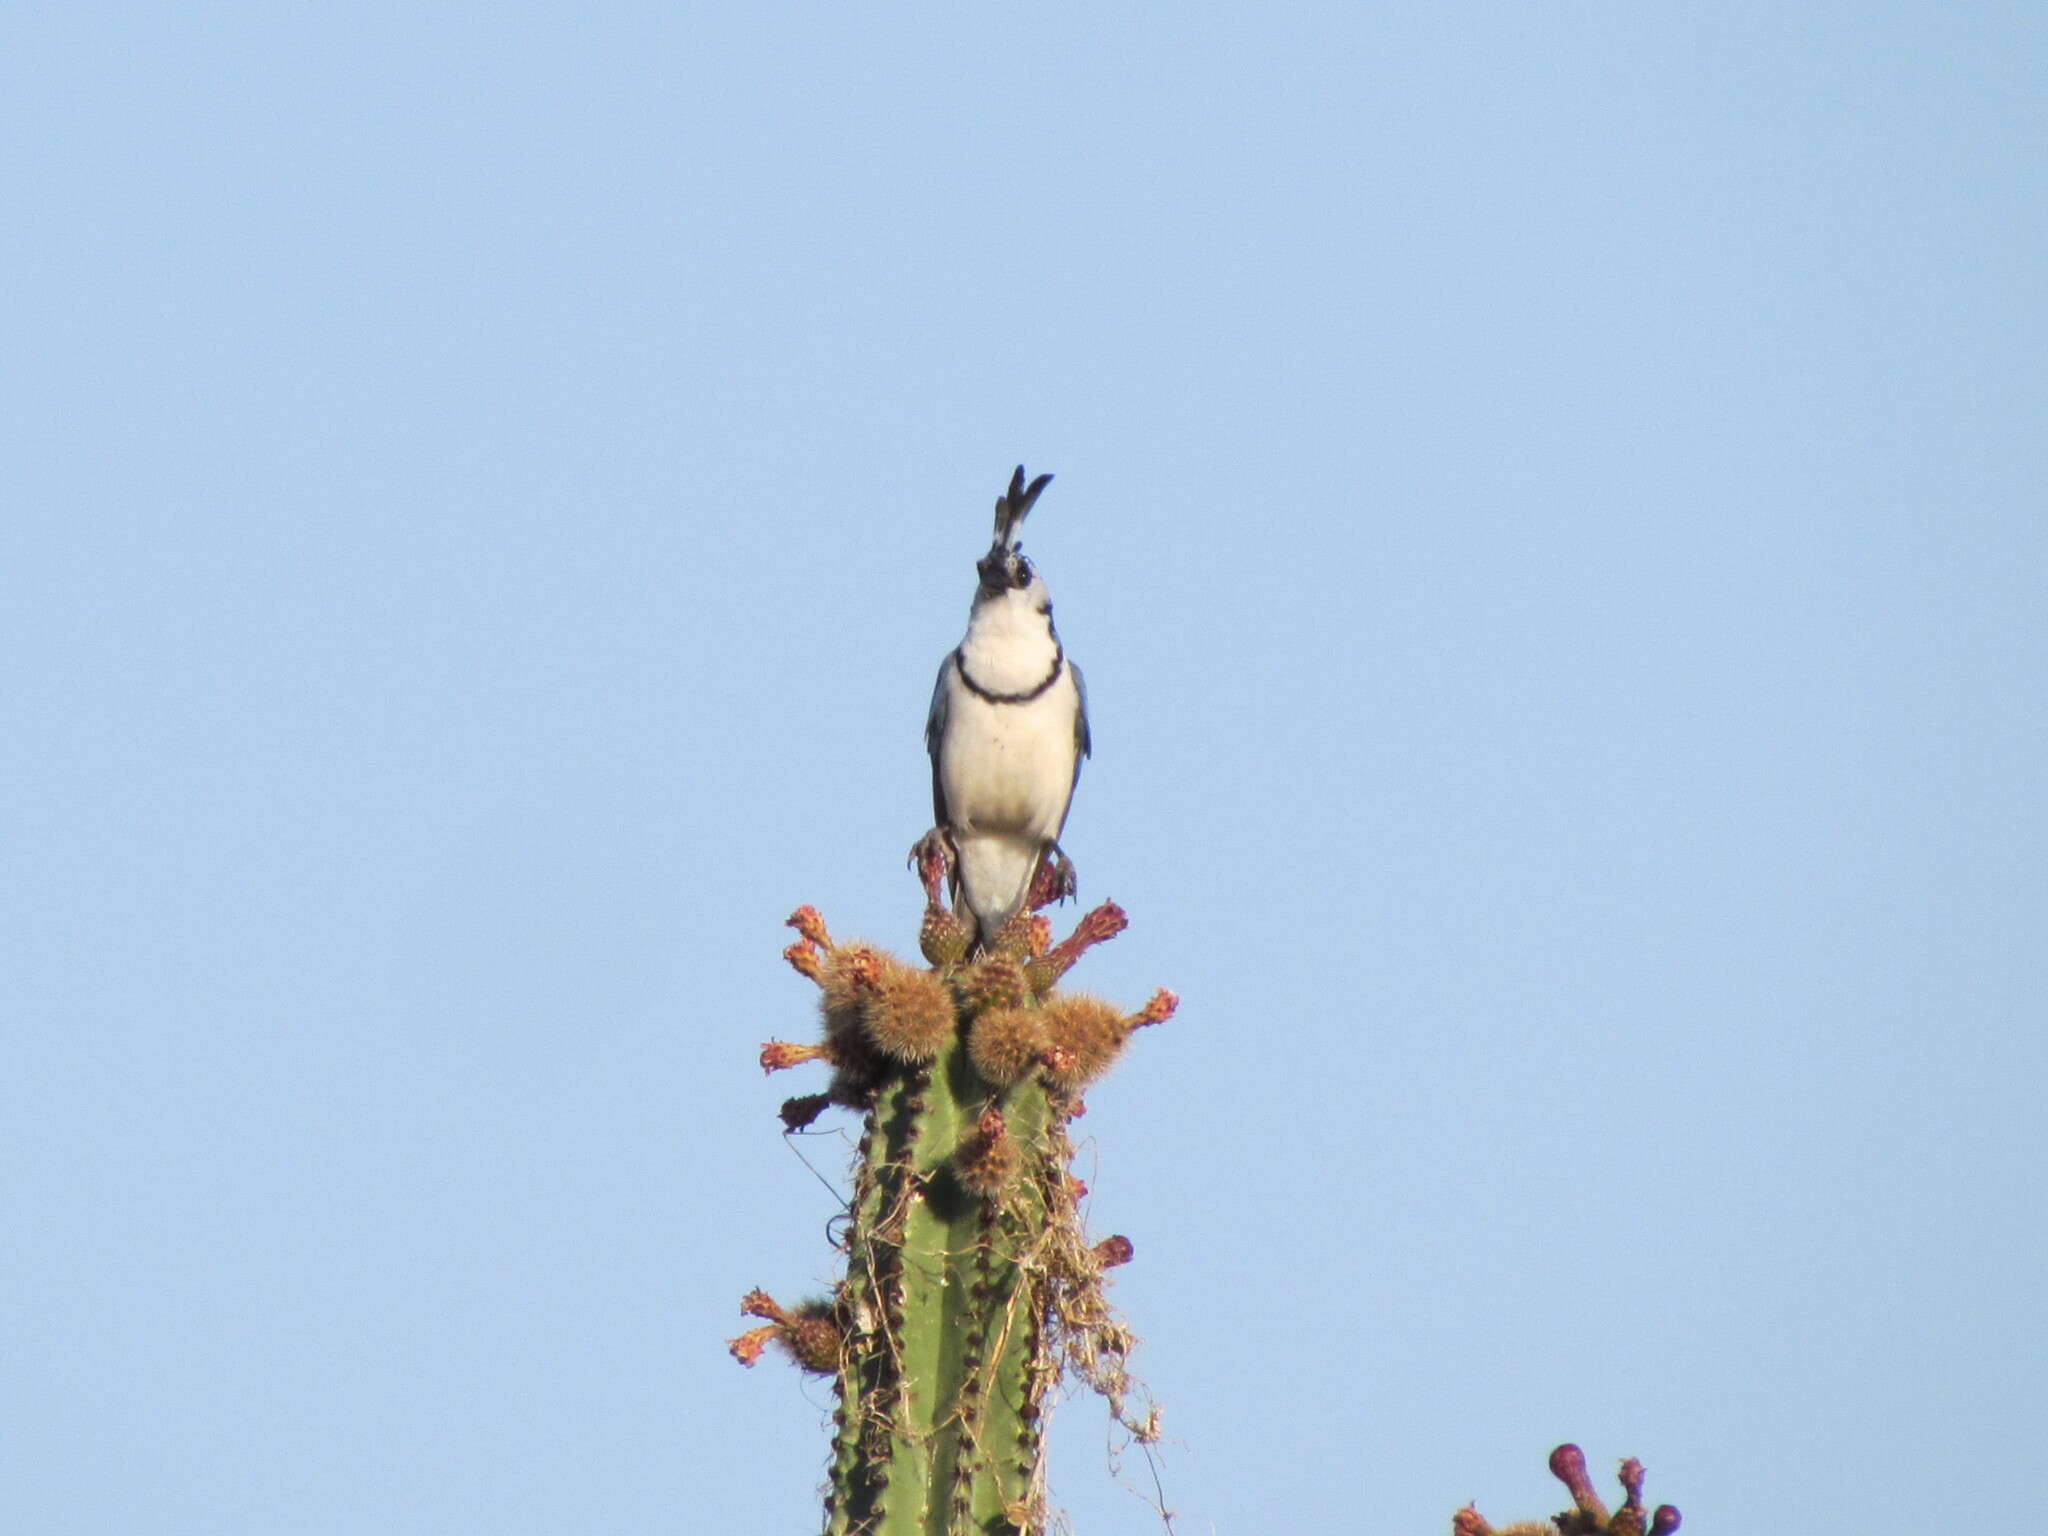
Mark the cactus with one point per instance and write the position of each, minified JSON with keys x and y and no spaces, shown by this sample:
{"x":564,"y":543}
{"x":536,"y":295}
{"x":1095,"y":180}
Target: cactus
{"x":1589,"y":1515}
{"x":970,"y":1289}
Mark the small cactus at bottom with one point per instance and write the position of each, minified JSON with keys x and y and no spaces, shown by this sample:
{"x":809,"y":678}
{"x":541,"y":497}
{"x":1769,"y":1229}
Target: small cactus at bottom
{"x":970,"y":1287}
{"x":909,"y":1013}
{"x":994,"y":981}
{"x":1588,"y":1515}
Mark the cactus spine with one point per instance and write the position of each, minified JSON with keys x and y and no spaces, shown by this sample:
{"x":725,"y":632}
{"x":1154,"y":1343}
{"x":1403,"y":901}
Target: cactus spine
{"x":969,"y":1287}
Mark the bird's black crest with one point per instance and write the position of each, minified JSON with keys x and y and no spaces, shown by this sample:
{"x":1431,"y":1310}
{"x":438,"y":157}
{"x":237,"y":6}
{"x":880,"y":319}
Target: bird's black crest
{"x":1013,"y":505}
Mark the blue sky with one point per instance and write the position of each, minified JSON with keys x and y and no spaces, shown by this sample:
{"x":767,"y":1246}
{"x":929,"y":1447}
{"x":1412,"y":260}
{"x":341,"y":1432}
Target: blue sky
{"x":1549,"y":502}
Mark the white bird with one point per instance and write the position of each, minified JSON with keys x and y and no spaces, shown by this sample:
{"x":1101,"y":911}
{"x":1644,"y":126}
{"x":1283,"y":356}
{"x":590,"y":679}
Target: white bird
{"x":1007,"y":731}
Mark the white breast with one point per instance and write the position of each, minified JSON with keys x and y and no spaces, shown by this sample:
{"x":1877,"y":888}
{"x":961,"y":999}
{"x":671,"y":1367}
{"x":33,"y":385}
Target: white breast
{"x":1009,"y":768}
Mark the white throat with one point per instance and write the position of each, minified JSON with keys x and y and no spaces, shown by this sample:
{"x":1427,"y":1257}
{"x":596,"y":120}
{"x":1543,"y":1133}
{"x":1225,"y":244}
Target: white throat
{"x":1010,"y":645}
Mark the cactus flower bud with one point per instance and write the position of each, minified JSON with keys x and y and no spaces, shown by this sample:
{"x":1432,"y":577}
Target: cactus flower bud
{"x":806,"y":921}
{"x":1115,"y":1250}
{"x":781,"y":1055}
{"x":942,"y":938}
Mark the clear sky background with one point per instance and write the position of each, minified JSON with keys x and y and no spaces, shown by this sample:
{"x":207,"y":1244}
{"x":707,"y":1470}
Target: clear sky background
{"x":1551,"y":505}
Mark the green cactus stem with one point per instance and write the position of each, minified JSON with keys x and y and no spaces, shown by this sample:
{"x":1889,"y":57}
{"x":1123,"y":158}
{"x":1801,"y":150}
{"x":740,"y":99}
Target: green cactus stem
{"x":970,"y":1289}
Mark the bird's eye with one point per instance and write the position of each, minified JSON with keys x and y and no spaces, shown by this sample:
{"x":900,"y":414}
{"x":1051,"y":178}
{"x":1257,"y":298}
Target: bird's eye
{"x":1023,"y":575}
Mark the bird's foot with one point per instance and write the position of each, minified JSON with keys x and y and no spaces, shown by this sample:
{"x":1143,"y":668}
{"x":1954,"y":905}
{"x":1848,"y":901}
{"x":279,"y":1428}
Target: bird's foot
{"x":933,"y":858}
{"x":1055,"y":880}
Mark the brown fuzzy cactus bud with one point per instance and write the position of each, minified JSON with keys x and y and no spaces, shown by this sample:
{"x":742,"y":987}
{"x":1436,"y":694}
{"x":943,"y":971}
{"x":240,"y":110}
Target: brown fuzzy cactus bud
{"x":942,"y":938}
{"x":800,"y":1112}
{"x":987,"y":1158}
{"x":1086,"y":1034}
{"x":997,"y":981}
{"x":1005,"y":1044}
{"x":863,"y":965}
{"x":1666,"y":1520}
{"x":840,"y":1001}
{"x":843,"y":1004}
{"x":781,"y":1055}
{"x":812,"y":1338}
{"x":909,"y":1013}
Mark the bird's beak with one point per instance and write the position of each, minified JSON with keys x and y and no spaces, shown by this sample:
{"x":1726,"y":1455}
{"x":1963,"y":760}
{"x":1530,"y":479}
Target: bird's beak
{"x":997,"y":568}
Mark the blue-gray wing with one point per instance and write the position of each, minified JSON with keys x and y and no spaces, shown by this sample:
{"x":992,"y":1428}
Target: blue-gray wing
{"x":934,"y":730}
{"x":1081,"y":739}
{"x":1082,"y":743}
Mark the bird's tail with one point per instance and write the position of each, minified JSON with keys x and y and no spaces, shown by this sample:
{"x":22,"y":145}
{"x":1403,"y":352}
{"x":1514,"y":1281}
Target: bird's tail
{"x":993,"y":881}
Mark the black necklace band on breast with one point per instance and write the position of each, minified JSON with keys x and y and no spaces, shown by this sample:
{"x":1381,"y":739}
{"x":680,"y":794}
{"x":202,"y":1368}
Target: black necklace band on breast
{"x":1059,"y":660}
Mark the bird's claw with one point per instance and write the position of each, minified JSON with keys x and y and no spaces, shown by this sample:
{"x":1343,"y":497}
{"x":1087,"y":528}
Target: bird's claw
{"x":1055,"y":880}
{"x":933,"y":858}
